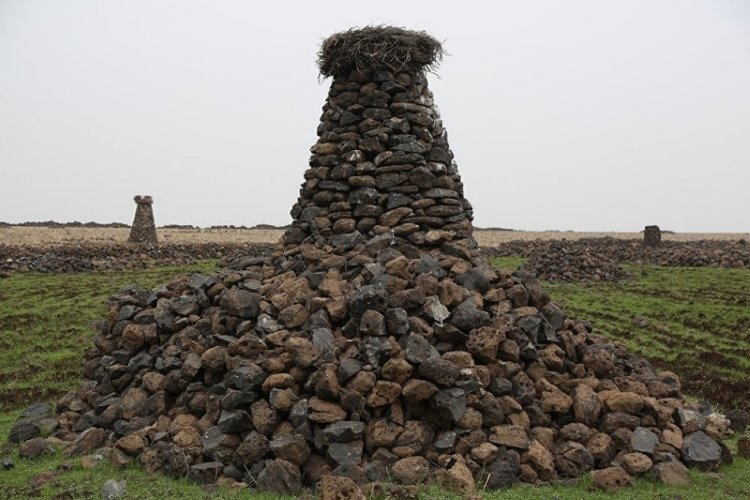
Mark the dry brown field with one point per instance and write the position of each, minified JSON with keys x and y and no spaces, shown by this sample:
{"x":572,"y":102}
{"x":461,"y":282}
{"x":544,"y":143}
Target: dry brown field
{"x":40,"y":236}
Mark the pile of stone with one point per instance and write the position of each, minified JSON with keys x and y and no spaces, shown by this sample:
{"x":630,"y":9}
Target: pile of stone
{"x":57,"y":225}
{"x":562,"y":261}
{"x":703,"y":253}
{"x":144,"y":228}
{"x":375,"y":344}
{"x":115,"y":257}
{"x":581,"y":258}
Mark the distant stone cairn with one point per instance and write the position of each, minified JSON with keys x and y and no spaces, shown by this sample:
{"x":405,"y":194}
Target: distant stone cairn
{"x":144,"y":229}
{"x":652,"y":236}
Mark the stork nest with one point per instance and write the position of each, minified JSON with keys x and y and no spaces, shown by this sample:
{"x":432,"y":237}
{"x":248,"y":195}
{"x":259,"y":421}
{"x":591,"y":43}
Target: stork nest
{"x":379,"y":48}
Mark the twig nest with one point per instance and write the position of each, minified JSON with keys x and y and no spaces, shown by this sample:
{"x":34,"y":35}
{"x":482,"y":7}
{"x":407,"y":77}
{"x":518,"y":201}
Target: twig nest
{"x":375,"y":48}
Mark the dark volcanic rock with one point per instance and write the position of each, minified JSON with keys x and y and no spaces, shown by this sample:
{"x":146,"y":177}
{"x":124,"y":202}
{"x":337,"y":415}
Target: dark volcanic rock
{"x":700,"y":451}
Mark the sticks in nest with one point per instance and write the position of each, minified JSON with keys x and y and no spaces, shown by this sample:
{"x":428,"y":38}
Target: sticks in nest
{"x":378,"y":48}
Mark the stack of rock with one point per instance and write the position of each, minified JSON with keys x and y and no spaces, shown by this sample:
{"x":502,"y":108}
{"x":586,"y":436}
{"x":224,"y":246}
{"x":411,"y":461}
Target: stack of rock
{"x":652,"y":236}
{"x":374,"y":345}
{"x":118,"y":256}
{"x":144,"y":228}
{"x":570,"y":261}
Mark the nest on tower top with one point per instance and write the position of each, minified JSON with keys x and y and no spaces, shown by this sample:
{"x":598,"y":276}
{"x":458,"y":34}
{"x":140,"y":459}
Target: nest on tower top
{"x":375,"y":48}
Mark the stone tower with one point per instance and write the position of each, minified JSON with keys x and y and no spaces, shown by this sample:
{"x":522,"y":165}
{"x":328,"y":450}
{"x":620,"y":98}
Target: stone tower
{"x":652,"y":236}
{"x":382,"y":163}
{"x":143,"y":229}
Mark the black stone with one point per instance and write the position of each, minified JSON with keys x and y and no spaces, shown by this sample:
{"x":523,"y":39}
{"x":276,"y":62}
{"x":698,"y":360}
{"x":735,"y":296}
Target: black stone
{"x":467,"y":316}
{"x":348,"y":368}
{"x":474,"y":280}
{"x":346,"y":453}
{"x":233,"y":421}
{"x":502,"y":472}
{"x":700,"y":451}
{"x":344,"y":431}
{"x":446,"y":442}
{"x":367,"y":297}
{"x":419,"y":349}
{"x":451,"y":403}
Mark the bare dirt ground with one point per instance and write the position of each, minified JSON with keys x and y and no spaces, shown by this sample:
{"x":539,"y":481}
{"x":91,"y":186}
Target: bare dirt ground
{"x":41,"y":236}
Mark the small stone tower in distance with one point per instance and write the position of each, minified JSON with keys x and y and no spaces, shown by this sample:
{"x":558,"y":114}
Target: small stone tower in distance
{"x":652,"y":236}
{"x":143,"y":229}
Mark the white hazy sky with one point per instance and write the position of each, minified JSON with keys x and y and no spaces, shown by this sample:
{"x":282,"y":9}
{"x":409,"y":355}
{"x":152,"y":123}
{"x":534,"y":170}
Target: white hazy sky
{"x":582,"y":115}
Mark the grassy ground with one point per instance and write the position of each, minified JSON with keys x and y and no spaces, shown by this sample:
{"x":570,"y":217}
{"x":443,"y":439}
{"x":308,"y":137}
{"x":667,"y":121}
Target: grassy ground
{"x":45,"y":324}
{"x":698,"y":323}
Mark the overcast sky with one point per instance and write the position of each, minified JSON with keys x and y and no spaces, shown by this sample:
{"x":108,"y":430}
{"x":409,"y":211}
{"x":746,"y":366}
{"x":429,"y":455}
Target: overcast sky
{"x":582,"y":115}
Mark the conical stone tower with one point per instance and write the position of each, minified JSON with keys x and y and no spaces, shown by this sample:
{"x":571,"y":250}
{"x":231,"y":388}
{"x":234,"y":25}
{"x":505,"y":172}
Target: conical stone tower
{"x":143,"y":229}
{"x":382,"y":164}
{"x":374,"y":345}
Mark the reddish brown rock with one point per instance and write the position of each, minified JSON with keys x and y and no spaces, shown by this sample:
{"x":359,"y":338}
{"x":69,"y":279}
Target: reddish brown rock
{"x":410,"y":470}
{"x":338,"y":488}
{"x":611,"y":478}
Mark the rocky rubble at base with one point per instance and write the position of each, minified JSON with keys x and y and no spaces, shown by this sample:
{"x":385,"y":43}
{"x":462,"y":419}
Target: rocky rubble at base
{"x":117,"y":257}
{"x":384,"y":362}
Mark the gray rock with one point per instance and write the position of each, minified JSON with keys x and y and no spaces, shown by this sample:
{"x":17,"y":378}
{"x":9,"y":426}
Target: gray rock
{"x":738,"y":419}
{"x":266,"y":324}
{"x":466,"y":316}
{"x":689,"y":420}
{"x":643,"y":440}
{"x":503,"y":471}
{"x":37,"y":410}
{"x":347,"y":241}
{"x":241,"y":303}
{"x":376,"y":350}
{"x":367,"y":297}
{"x":440,"y":371}
{"x":500,"y":386}
{"x":113,"y":489}
{"x":700,"y":451}
{"x":346,"y":453}
{"x":344,"y":431}
{"x":419,"y":349}
{"x":298,"y":413}
{"x":435,"y":310}
{"x":323,"y":339}
{"x":185,"y":305}
{"x":429,"y":265}
{"x":234,"y":399}
{"x":7,"y":463}
{"x":474,"y":280}
{"x":233,"y":421}
{"x":364,"y":196}
{"x":348,"y":368}
{"x":246,"y":377}
{"x":446,"y":442}
{"x":397,"y":321}
{"x":206,"y":472}
{"x":212,"y":440}
{"x":451,"y":403}
{"x":23,"y":431}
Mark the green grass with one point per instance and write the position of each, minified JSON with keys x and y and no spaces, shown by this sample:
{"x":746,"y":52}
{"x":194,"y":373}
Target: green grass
{"x":45,"y":325}
{"x":698,"y":323}
{"x":508,"y":262}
